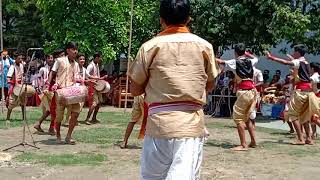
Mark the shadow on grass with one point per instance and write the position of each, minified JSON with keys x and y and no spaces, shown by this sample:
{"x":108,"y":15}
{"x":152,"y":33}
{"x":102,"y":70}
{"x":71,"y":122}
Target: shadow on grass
{"x":50,"y":142}
{"x":118,"y":144}
{"x":222,"y":144}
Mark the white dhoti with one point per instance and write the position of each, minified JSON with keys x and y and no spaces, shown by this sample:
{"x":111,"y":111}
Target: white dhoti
{"x":171,"y":159}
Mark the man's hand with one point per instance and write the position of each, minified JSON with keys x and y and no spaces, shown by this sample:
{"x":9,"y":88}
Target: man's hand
{"x":268,"y":54}
{"x":105,"y":77}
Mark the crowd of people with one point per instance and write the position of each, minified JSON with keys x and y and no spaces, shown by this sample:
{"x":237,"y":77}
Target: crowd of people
{"x":170,"y":79}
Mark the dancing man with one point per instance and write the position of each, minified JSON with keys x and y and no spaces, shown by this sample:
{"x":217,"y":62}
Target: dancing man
{"x":64,"y":71}
{"x":94,"y":74}
{"x":46,"y":95}
{"x":299,"y":110}
{"x":174,"y":70}
{"x":138,"y":116}
{"x":14,"y":77}
{"x":244,"y":107}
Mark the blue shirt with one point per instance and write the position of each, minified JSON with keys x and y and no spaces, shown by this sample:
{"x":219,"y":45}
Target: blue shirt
{"x":5,"y":70}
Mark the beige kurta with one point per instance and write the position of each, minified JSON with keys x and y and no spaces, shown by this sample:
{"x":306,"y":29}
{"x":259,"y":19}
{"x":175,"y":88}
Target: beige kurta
{"x":175,"y":67}
{"x":67,"y":73}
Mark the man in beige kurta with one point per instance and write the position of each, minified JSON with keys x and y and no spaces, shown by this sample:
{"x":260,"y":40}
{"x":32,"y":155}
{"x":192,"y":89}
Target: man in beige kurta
{"x":65,"y":71}
{"x":174,"y":70}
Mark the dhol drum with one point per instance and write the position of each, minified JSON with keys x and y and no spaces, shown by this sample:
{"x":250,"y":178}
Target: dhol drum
{"x":71,"y":95}
{"x":102,"y":86}
{"x":19,"y":90}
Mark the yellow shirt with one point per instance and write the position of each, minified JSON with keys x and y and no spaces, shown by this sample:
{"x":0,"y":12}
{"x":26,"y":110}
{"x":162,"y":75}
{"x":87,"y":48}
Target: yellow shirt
{"x":176,"y":67}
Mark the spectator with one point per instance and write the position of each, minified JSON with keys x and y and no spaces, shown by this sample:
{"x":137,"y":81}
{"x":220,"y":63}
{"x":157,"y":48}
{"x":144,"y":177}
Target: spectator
{"x":5,"y":63}
{"x":281,"y":80}
{"x":274,"y":81}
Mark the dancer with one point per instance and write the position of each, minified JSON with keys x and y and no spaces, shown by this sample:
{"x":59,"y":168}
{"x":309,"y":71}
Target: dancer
{"x":315,"y":78}
{"x":138,"y":116}
{"x":94,"y":74}
{"x":244,"y":107}
{"x":14,"y":77}
{"x":82,"y":80}
{"x":173,"y":70}
{"x":64,"y":71}
{"x":299,"y":112}
{"x":46,"y":95}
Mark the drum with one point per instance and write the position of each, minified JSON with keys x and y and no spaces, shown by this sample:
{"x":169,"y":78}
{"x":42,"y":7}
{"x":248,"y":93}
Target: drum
{"x":71,"y":95}
{"x":19,"y":90}
{"x":107,"y":88}
{"x":102,"y":86}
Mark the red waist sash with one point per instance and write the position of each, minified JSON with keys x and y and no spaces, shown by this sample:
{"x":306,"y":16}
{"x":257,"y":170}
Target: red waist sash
{"x":303,"y":86}
{"x":246,"y":85}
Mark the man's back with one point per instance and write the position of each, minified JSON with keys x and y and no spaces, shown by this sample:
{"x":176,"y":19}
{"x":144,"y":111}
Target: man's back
{"x":178,"y":67}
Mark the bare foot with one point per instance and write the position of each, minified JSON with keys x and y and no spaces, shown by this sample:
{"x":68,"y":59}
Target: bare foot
{"x":298,"y":142}
{"x":123,"y":145}
{"x":291,"y":131}
{"x":239,"y":148}
{"x":70,"y":141}
{"x":38,"y":128}
{"x":94,"y":121}
{"x":252,"y":145}
{"x":309,"y":142}
{"x":52,"y":132}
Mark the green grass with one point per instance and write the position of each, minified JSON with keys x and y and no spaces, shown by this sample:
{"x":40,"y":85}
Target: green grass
{"x":115,"y":118}
{"x":63,"y":159}
{"x":16,"y":118}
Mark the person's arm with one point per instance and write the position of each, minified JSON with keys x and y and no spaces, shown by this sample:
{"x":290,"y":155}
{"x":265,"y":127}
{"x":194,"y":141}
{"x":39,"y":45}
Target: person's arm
{"x":138,"y":74}
{"x":220,"y":61}
{"x":279,"y":60}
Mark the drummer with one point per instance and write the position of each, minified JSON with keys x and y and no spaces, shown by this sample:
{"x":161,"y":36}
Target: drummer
{"x":46,"y":95}
{"x":14,"y":77}
{"x":94,"y":74}
{"x":82,"y":79}
{"x":64,"y":72}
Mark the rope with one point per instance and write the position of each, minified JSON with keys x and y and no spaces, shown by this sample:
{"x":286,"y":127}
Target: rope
{"x":129,"y":57}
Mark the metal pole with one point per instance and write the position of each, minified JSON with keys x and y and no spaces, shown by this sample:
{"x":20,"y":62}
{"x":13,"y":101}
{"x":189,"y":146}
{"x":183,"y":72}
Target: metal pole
{"x":129,"y":56}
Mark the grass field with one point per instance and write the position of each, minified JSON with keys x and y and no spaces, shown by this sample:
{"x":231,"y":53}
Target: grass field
{"x":98,"y":156}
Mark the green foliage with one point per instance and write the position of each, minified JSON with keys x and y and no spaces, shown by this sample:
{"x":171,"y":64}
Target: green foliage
{"x":258,"y":23}
{"x":95,"y":24}
{"x":22,"y":24}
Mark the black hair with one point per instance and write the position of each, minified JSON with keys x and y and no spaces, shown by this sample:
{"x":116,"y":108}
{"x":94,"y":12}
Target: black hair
{"x":81,"y":54}
{"x":240,"y":49}
{"x":57,"y":52}
{"x":266,"y":70}
{"x":175,"y":12}
{"x":97,"y":54}
{"x":301,"y":49}
{"x":19,"y":53}
{"x":71,"y":45}
{"x":315,"y":66}
{"x":47,"y":55}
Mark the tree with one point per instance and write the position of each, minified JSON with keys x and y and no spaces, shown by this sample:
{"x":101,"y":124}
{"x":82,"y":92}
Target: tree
{"x":22,"y":24}
{"x":258,"y":23}
{"x":96,"y":24}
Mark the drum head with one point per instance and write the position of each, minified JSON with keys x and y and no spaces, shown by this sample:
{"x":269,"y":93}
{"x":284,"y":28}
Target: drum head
{"x":100,"y":86}
{"x":107,"y":88}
